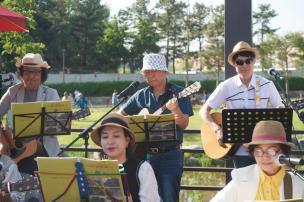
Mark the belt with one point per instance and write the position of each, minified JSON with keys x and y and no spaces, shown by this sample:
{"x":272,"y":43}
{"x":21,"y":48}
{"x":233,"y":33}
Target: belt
{"x":157,"y":150}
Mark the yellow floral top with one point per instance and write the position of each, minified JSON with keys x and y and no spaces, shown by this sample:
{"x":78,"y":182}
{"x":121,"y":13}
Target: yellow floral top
{"x":269,"y":186}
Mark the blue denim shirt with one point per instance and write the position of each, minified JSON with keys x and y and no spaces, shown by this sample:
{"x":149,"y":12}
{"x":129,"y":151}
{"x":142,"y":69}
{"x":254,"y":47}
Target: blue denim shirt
{"x":144,"y":98}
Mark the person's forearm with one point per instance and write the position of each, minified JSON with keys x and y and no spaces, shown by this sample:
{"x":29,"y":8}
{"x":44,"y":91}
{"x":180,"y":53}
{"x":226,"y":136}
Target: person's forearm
{"x":206,"y":117}
{"x":181,"y":119}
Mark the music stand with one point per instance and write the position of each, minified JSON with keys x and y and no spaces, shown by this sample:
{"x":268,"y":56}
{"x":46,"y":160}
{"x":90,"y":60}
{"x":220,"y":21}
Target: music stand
{"x":238,"y":124}
{"x":41,"y":118}
{"x":152,"y":129}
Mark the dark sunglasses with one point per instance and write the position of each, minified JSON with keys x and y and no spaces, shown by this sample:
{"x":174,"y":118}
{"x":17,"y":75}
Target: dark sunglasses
{"x":241,"y":62}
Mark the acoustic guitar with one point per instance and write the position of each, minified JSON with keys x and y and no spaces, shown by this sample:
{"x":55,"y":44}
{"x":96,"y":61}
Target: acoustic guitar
{"x":209,"y":139}
{"x":141,"y":147}
{"x":193,"y":88}
{"x":16,"y":153}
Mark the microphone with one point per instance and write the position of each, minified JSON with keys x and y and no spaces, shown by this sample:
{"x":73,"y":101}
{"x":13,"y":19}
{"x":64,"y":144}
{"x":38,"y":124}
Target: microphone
{"x":130,"y":89}
{"x":290,"y":161}
{"x":275,"y":73}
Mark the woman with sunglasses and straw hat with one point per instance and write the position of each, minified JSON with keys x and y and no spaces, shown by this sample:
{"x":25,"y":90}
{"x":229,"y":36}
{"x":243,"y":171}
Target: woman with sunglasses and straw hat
{"x":117,"y":143}
{"x":267,"y":179}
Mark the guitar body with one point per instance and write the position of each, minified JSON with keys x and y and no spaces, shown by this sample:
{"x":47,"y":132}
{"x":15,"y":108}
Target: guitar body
{"x":7,"y":144}
{"x":209,"y":139}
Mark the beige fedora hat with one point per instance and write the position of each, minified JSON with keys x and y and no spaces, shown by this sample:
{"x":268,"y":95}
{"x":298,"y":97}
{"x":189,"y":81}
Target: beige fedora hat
{"x":242,"y":46}
{"x":32,"y":60}
{"x":113,"y":119}
{"x":268,"y":132}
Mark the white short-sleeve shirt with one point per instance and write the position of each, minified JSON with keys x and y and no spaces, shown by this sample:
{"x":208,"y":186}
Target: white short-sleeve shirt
{"x":260,"y":93}
{"x":235,"y":95}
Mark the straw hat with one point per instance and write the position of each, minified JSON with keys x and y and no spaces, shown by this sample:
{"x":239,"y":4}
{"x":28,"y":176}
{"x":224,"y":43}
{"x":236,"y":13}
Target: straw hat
{"x":268,"y":132}
{"x":242,"y":46}
{"x":113,"y":119}
{"x":32,"y":60}
{"x":154,"y":61}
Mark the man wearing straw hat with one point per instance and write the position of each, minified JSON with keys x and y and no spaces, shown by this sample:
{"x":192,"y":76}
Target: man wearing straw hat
{"x":166,"y":158}
{"x":267,"y":180}
{"x":246,"y":90}
{"x":33,"y":71}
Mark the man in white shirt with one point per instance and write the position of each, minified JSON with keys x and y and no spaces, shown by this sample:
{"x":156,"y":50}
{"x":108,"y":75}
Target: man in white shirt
{"x":243,"y":91}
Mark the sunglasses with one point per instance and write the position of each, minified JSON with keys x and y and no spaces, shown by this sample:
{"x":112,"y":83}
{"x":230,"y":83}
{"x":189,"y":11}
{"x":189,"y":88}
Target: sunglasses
{"x":241,"y":62}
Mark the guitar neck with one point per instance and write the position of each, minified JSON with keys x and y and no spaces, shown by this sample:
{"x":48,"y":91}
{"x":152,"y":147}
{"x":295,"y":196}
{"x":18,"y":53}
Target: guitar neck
{"x":160,"y":110}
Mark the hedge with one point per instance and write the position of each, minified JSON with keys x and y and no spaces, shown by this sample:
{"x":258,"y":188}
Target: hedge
{"x":99,"y":89}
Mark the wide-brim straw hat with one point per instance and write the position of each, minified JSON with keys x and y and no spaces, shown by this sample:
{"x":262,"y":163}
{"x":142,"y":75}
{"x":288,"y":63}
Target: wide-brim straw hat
{"x":154,"y":61}
{"x":268,"y":132}
{"x":113,"y":119}
{"x":242,"y":46}
{"x":32,"y":60}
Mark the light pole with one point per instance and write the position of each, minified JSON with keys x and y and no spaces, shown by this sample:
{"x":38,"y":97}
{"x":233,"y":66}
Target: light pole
{"x":63,"y":64}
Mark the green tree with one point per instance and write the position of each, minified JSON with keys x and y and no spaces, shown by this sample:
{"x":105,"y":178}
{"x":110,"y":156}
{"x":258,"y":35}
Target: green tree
{"x":17,"y":44}
{"x":54,"y":29}
{"x":200,"y":17}
{"x":88,"y":25}
{"x":172,"y":26}
{"x":214,"y":53}
{"x":111,"y":45}
{"x":142,"y":35}
{"x":262,"y":20}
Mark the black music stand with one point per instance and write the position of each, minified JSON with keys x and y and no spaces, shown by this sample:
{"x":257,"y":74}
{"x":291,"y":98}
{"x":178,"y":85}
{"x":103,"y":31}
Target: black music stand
{"x":153,"y":129}
{"x":44,"y":123}
{"x":238,"y":124}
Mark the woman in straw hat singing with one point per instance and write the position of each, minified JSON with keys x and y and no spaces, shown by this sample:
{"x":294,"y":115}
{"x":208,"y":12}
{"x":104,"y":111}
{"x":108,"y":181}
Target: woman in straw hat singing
{"x":117,"y":142}
{"x":246,"y":90}
{"x":266,"y":180}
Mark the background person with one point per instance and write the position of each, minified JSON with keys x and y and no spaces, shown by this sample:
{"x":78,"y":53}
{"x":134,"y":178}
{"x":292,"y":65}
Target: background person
{"x":117,"y":141}
{"x":264,"y":180}
{"x":246,"y":90}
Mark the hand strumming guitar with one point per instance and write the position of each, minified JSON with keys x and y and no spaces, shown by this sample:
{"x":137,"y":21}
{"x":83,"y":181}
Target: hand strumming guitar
{"x":181,"y":119}
{"x":219,"y":136}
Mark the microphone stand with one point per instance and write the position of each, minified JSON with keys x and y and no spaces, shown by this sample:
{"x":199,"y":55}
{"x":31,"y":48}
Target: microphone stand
{"x":85,"y":133}
{"x":297,"y":173}
{"x":287,"y":102}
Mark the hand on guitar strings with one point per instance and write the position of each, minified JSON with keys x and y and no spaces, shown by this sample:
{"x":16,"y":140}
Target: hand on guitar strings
{"x":172,"y":104}
{"x":219,"y":136}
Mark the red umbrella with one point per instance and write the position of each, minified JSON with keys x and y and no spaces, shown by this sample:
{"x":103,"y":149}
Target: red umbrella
{"x":12,"y":21}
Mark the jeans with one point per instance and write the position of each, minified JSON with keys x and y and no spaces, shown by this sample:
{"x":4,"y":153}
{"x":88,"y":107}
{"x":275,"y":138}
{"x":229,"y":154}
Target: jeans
{"x":168,"y":169}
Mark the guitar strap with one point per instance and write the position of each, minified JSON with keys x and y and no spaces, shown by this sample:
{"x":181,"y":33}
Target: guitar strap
{"x":287,"y":186}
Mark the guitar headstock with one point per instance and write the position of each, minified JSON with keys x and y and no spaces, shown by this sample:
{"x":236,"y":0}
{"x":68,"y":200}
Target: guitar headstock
{"x":26,"y":184}
{"x":193,"y":88}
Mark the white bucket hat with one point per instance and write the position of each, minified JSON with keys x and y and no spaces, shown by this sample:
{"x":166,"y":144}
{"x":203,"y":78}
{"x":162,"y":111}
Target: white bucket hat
{"x":154,"y":61}
{"x":32,"y":60}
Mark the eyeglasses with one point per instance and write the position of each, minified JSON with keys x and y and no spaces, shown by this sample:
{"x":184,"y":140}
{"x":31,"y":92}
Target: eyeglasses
{"x":35,"y":73}
{"x":271,"y":152}
{"x":241,"y":62}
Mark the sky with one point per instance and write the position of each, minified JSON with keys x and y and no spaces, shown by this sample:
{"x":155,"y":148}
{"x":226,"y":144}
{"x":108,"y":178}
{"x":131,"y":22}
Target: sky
{"x":289,"y":18}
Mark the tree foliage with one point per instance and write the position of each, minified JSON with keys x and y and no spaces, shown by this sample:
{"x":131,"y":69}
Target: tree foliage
{"x":81,"y":35}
